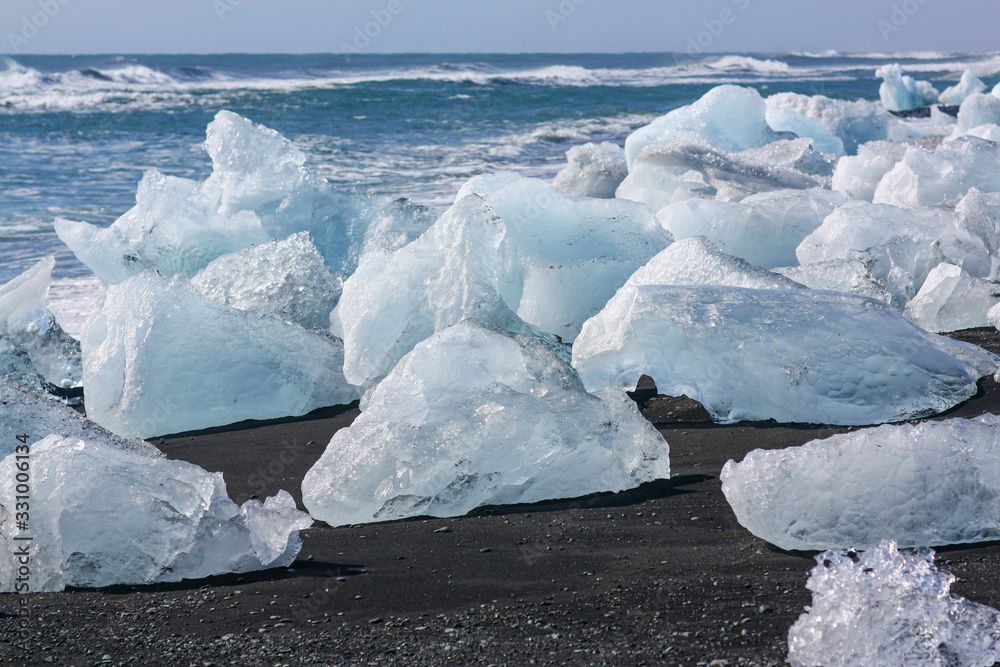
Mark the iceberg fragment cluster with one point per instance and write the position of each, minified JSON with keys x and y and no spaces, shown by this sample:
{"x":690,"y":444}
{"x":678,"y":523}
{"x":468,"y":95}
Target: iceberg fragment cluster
{"x":899,"y":92}
{"x":885,"y":608}
{"x":789,"y":355}
{"x":259,"y":190}
{"x":854,"y":122}
{"x":522,"y":252}
{"x":158,"y":357}
{"x":925,"y":484}
{"x":285,"y":279}
{"x":594,"y":170}
{"x":34,"y":350}
{"x":475,"y":416}
{"x":104,"y":515}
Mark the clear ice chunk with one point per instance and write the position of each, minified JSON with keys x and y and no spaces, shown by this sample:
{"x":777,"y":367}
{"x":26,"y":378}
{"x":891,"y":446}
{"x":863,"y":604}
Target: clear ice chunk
{"x":103,"y":515}
{"x":594,"y":170}
{"x":474,"y":416}
{"x":259,"y":190}
{"x":286,"y":279}
{"x":926,"y":178}
{"x":34,"y":350}
{"x":885,"y":608}
{"x":925,"y":484}
{"x":950,"y":299}
{"x":899,"y":92}
{"x":858,"y":175}
{"x":158,"y":357}
{"x":968,"y":85}
{"x":764,"y":229}
{"x":790,"y":355}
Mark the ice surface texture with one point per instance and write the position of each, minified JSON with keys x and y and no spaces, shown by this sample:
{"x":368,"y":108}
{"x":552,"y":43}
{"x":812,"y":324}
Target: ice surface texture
{"x":522,"y":251}
{"x":259,"y":190}
{"x":838,"y":275}
{"x":859,"y":175}
{"x":927,"y":484}
{"x":34,"y":350}
{"x":594,"y":170}
{"x":102,"y":515}
{"x":730,"y":118}
{"x":287,"y":279}
{"x":789,"y":355}
{"x":886,"y":608}
{"x":161,"y":358}
{"x":763,"y":229}
{"x":665,"y":173}
{"x":899,"y":92}
{"x":474,"y":416}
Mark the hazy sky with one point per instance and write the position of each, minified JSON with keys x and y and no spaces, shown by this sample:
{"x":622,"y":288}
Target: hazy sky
{"x":463,"y":26}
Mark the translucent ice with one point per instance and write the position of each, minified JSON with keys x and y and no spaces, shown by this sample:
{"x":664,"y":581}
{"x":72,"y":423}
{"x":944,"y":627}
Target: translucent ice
{"x":158,"y":357}
{"x":926,"y":178}
{"x":525,"y":252}
{"x":885,"y":608}
{"x":931,"y":483}
{"x":594,"y":170}
{"x":858,"y":175}
{"x":34,"y":350}
{"x":978,"y":109}
{"x":899,"y":92}
{"x":103,"y":515}
{"x":473,"y":416}
{"x":287,"y":279}
{"x":795,"y":154}
{"x":783,"y":119}
{"x":950,"y":299}
{"x":667,"y":173}
{"x":854,"y":122}
{"x":969,"y":84}
{"x":763,"y":229}
{"x":730,"y":118}
{"x":697,"y":261}
{"x":790,"y":355}
{"x":838,"y":275}
{"x":898,"y":246}
{"x":259,"y":190}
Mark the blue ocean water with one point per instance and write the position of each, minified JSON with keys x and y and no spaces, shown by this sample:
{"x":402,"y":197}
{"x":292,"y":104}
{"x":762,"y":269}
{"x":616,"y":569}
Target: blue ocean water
{"x":76,"y":132}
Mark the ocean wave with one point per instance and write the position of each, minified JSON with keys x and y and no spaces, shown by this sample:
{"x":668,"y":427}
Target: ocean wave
{"x":749,"y":64}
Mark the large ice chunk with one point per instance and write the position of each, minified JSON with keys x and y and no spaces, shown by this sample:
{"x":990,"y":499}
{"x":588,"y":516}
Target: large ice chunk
{"x":594,"y":170}
{"x":790,"y":355}
{"x":158,"y":357}
{"x":838,"y":275}
{"x":473,"y":416}
{"x":899,"y":246}
{"x":854,"y":122}
{"x":926,"y":178}
{"x":666,"y":173}
{"x":968,"y":85}
{"x":525,"y":252}
{"x":885,"y":608}
{"x":978,"y":109}
{"x":730,"y":118}
{"x":259,"y":190}
{"x":763,"y":229}
{"x":899,"y":92}
{"x":104,"y":515}
{"x":858,"y":175}
{"x":287,"y":279}
{"x":697,"y":261}
{"x":34,"y":350}
{"x":783,"y":119}
{"x":950,"y":299}
{"x":931,"y":483}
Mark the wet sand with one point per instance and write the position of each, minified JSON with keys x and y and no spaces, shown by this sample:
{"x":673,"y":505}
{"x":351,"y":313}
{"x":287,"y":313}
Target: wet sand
{"x":659,"y":575}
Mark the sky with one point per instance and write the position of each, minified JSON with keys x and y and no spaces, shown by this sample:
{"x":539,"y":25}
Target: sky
{"x":481,"y":26}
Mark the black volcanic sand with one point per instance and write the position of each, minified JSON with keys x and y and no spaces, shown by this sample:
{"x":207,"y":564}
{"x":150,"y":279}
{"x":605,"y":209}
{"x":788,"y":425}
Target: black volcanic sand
{"x":660,"y":575}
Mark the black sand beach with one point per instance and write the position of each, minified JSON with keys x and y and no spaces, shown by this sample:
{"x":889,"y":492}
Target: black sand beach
{"x":660,"y":575}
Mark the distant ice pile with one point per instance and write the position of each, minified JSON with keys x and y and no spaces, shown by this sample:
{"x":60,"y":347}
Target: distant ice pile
{"x":927,"y":484}
{"x":285,"y":279}
{"x":475,"y":416}
{"x":509,"y":252}
{"x":899,"y":92}
{"x":594,"y":170}
{"x":885,"y":608}
{"x":259,"y":190}
{"x":789,"y":355}
{"x":104,"y":515}
{"x":161,"y":358}
{"x":34,"y":350}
